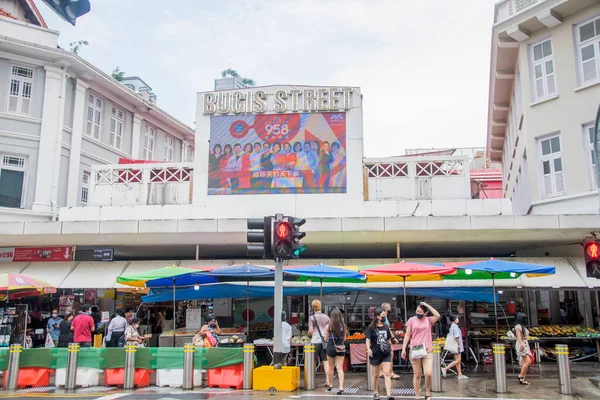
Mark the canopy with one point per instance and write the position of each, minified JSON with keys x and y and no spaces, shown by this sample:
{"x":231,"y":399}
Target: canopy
{"x":21,"y":285}
{"x":235,"y":273}
{"x":321,"y":271}
{"x":163,"y":277}
{"x":407,"y":269}
{"x":498,"y":269}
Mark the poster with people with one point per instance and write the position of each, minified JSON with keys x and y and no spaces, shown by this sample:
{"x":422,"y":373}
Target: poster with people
{"x":277,"y":153}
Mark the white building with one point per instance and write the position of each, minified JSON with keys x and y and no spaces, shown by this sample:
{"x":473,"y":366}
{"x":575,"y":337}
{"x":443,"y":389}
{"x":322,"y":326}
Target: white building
{"x":544,"y":93}
{"x":59,"y":115}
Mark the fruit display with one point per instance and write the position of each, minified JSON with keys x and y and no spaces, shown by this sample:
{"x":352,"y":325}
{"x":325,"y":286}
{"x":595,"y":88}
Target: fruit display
{"x":563,"y":331}
{"x":485,"y":333}
{"x":261,"y":326}
{"x":356,"y":337}
{"x":240,"y":329}
{"x":441,"y":341}
{"x":301,"y":338}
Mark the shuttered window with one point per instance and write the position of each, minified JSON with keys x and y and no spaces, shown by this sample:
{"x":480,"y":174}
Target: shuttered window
{"x":94,"y":117}
{"x":588,"y":139}
{"x":552,"y":166}
{"x":116,"y":128}
{"x":544,"y":78}
{"x":588,"y":48}
{"x":20,"y":90}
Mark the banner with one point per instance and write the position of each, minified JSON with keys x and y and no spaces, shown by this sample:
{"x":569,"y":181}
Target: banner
{"x":28,"y":254}
{"x":277,"y":153}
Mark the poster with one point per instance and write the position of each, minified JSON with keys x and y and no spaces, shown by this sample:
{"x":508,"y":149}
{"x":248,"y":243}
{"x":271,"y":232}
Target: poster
{"x":277,"y":153}
{"x":29,"y":254}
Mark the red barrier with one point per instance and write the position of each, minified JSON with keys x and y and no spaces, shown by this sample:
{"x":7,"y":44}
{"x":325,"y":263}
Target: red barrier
{"x":31,"y":377}
{"x":116,"y":377}
{"x":226,"y":377}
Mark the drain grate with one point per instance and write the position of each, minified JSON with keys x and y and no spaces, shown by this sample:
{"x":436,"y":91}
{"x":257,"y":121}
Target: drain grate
{"x":349,"y":390}
{"x":398,"y":392}
{"x":96,"y":389}
{"x":214,"y":390}
{"x":43,"y":389}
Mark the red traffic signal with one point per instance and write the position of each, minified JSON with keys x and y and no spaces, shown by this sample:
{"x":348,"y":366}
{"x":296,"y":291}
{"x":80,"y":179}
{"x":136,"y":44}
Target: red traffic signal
{"x":592,"y":250}
{"x":591,"y":254}
{"x":283,"y":230}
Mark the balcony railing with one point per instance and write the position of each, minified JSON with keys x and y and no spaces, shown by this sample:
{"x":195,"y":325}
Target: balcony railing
{"x":509,"y":8}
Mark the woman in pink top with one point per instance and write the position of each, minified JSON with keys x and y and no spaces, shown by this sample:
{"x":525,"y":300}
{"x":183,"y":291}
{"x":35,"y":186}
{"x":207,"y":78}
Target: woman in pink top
{"x":418,"y":333}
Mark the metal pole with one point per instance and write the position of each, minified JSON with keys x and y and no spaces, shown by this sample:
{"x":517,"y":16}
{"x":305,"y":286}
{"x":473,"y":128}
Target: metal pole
{"x":129,"y":381}
{"x":321,"y":291}
{"x":277,"y":328}
{"x":436,"y":384}
{"x":309,"y":367}
{"x":369,"y":373}
{"x":188,"y":366}
{"x":564,"y":369}
{"x":495,"y":308}
{"x":174,"y":314}
{"x":405,"y":305}
{"x":12,"y":374}
{"x":248,"y":310}
{"x":72,"y":356}
{"x":248,"y":365}
{"x":499,"y":367}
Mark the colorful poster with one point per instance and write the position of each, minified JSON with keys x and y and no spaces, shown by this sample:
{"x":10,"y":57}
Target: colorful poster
{"x":277,"y":153}
{"x":29,"y":254}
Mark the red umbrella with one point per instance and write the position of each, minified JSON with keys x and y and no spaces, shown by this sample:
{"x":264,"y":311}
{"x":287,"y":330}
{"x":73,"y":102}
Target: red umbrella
{"x":406,"y":270}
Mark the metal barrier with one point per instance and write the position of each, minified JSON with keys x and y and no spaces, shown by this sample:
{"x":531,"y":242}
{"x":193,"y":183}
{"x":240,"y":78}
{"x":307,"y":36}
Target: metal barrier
{"x":129,"y":379}
{"x":309,"y":367}
{"x":564,"y":369}
{"x":188,"y":366}
{"x":500,"y":366}
{"x":12,"y":374}
{"x":248,"y":365}
{"x":72,"y":356}
{"x":369,"y":372}
{"x":436,"y":379}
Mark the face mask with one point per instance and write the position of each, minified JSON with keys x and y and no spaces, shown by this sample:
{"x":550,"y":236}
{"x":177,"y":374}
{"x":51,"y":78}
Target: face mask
{"x":136,"y":326}
{"x":420,"y":316}
{"x":54,"y":315}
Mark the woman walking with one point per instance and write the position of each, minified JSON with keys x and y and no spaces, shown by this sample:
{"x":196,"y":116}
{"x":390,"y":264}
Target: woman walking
{"x":522,"y":346}
{"x":456,"y":334}
{"x":379,"y":352}
{"x":418,"y":333}
{"x":335,"y":336}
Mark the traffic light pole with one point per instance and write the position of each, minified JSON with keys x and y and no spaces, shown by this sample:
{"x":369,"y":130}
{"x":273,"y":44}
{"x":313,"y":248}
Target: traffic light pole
{"x":277,"y":328}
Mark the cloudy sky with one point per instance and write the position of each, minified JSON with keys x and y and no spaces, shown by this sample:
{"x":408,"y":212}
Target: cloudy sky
{"x":423,"y":66}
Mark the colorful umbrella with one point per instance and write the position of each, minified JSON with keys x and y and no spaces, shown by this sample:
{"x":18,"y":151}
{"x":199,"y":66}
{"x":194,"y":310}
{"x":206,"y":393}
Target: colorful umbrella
{"x":324,"y":273}
{"x":411,"y":271}
{"x":15,"y":286}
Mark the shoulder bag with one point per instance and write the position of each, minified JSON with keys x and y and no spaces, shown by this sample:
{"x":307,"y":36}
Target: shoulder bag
{"x":319,"y":330}
{"x":420,"y":351}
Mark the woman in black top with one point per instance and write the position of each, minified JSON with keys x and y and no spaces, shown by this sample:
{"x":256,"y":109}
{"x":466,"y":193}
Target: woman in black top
{"x":66,"y":334}
{"x":335,"y":336}
{"x":379,"y":351}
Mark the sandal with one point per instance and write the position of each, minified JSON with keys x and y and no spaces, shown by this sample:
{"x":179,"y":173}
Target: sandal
{"x":395,"y":377}
{"x":375,"y":396}
{"x":329,"y":388}
{"x":522,"y":380}
{"x":340,"y":392}
{"x":427,"y":397}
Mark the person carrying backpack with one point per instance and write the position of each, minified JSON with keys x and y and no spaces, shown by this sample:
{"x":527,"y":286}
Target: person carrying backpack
{"x":379,"y":352}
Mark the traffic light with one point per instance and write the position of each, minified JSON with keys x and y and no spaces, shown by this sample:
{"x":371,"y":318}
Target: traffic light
{"x":297,"y":247}
{"x":259,"y":237}
{"x":282,"y":239}
{"x":69,"y":10}
{"x":591,"y":254}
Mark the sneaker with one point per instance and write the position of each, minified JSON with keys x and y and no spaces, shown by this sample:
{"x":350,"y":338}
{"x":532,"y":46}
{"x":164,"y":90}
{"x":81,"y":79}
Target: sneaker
{"x":462,"y":377}
{"x":444,"y":372}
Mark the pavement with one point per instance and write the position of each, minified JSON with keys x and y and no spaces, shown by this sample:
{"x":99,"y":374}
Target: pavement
{"x":480,"y":385}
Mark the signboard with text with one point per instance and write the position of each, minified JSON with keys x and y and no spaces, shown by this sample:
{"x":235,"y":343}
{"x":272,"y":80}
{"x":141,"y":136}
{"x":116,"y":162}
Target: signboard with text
{"x":94,"y":255}
{"x":32,"y":254}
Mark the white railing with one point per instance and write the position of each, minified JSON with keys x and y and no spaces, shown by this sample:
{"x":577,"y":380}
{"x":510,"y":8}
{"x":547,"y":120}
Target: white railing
{"x":509,"y":8}
{"x":141,"y":184}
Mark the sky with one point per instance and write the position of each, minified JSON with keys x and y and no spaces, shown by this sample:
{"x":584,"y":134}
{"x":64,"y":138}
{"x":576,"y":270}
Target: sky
{"x":422,"y":66}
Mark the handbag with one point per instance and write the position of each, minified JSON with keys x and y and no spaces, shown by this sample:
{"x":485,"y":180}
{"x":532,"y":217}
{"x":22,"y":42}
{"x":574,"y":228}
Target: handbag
{"x":420,"y":351}
{"x":320,"y":334}
{"x":212,"y":339}
{"x":451,"y":344}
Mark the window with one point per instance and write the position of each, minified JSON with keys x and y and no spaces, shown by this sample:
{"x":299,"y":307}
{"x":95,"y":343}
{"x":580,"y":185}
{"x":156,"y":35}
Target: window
{"x":85,"y":186}
{"x":588,"y":137}
{"x":12,"y":181}
{"x":116,"y":128}
{"x":190,"y":154}
{"x":94,"y":116}
{"x":148,"y":143}
{"x":544,"y":80}
{"x":168,"y":148}
{"x":21,"y":86}
{"x":552,"y":168}
{"x":588,"y":47}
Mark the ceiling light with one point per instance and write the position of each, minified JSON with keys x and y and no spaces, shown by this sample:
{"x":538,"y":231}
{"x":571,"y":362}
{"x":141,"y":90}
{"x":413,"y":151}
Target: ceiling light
{"x":513,"y":275}
{"x":370,"y":298}
{"x":308,"y":282}
{"x":393,"y":298}
{"x":556,"y":287}
{"x":500,"y":291}
{"x":590,"y":287}
{"x":468,"y":271}
{"x":196,"y":287}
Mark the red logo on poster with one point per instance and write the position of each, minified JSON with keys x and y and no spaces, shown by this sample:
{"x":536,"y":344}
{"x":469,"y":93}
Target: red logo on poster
{"x":271,"y":128}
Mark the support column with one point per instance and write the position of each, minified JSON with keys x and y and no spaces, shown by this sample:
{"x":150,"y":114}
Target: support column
{"x":79,"y":116}
{"x":50,"y":132}
{"x":136,"y":137}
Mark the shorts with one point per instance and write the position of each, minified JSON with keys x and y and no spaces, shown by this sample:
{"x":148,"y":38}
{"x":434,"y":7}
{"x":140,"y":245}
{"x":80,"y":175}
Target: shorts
{"x":378,"y":358}
{"x":332,"y":351}
{"x":320,"y":353}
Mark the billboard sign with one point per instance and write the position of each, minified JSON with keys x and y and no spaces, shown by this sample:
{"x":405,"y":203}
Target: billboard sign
{"x":277,"y":153}
{"x":29,"y":254}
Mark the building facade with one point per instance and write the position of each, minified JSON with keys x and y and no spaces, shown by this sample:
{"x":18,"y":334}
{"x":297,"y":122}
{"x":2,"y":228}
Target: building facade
{"x":59,"y":115}
{"x":544,"y":94}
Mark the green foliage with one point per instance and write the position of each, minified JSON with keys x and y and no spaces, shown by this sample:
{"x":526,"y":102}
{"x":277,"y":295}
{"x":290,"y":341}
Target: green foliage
{"x":234,"y":74}
{"x":76,"y":46}
{"x":118,"y":75}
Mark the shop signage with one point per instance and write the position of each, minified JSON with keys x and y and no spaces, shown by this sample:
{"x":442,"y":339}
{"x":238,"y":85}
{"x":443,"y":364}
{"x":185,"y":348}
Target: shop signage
{"x":95,"y":255}
{"x":334,"y":99}
{"x":29,"y":254}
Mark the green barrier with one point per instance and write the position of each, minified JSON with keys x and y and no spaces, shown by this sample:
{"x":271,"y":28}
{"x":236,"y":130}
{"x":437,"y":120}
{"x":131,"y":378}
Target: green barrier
{"x":36,"y":358}
{"x":216,"y":357}
{"x":115,"y":358}
{"x":167,"y":358}
{"x":3,"y":359}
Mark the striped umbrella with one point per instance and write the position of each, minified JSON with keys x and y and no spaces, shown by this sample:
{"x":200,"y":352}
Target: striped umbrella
{"x":15,"y":286}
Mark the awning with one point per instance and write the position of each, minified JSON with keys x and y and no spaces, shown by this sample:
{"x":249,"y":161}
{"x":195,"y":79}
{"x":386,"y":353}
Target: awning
{"x":54,"y":272}
{"x":137,"y":267}
{"x":93,"y":275}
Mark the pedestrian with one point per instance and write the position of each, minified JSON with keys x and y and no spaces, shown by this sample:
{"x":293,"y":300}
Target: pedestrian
{"x":132,"y":335}
{"x":388,"y":308}
{"x":456,"y":333}
{"x":379,"y":352}
{"x":286,"y":339}
{"x":319,"y":321}
{"x":335,"y":336}
{"x":82,"y":327}
{"x":53,"y":327}
{"x":116,"y":329}
{"x":66,"y":334}
{"x":418,"y":334}
{"x":522,"y":346}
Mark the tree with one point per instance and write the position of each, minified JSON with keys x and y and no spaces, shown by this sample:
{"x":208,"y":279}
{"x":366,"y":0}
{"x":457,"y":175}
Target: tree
{"x":234,"y":74}
{"x":76,"y":46}
{"x":118,"y":75}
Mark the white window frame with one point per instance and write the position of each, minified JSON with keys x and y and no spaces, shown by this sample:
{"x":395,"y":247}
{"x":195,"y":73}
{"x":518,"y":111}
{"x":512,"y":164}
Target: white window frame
{"x":169,"y":146}
{"x":595,"y":42}
{"x":549,"y":91}
{"x":21,"y":98}
{"x":588,"y":140}
{"x":22,"y":167}
{"x":149,"y":141}
{"x":94,"y":107}
{"x":191,"y":154}
{"x":117,"y":117}
{"x":86,"y":177}
{"x":554,"y":176}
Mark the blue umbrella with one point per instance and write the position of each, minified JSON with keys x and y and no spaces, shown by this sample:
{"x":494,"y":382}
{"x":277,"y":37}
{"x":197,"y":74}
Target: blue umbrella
{"x":321,"y":272}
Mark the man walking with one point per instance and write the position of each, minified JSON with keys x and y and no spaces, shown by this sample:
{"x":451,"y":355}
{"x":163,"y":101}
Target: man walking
{"x":53,"y":327}
{"x":82,"y":327}
{"x":316,"y":329}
